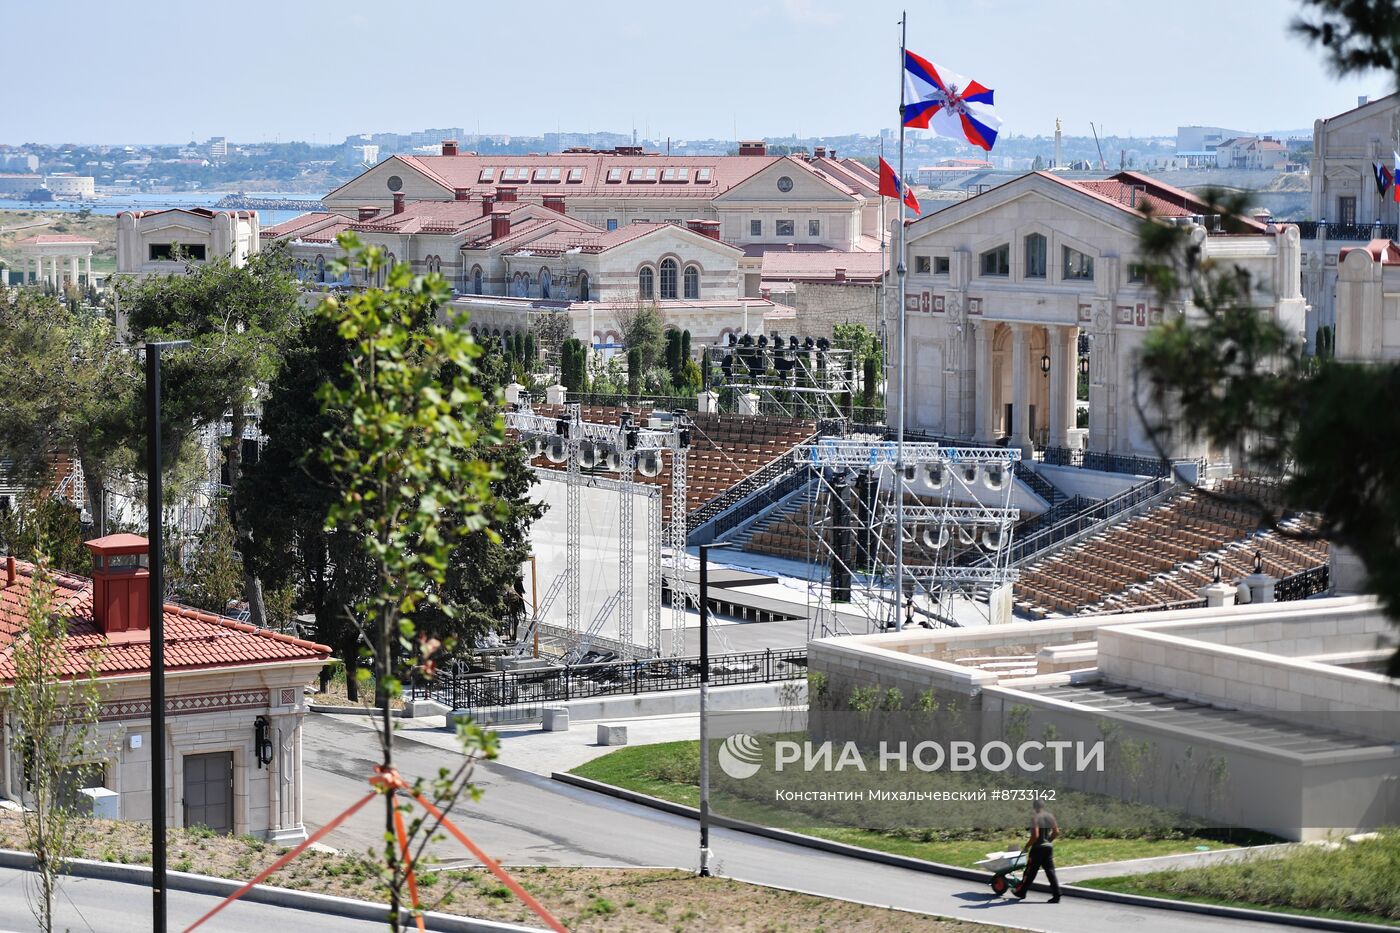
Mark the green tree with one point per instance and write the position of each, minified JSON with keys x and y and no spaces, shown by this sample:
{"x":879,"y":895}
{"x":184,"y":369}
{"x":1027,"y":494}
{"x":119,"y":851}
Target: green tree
{"x":550,"y":329}
{"x":41,"y":525}
{"x":67,"y":386}
{"x":54,"y":720}
{"x":641,"y":328}
{"x":240,"y":320}
{"x":409,"y":489}
{"x":634,"y":371}
{"x":209,"y":573}
{"x":870,"y":388}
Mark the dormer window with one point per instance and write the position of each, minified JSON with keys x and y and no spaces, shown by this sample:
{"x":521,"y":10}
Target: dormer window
{"x":548,"y":175}
{"x":614,"y":175}
{"x":676,"y":175}
{"x":702,"y":176}
{"x":575,"y":175}
{"x":488,"y":174}
{"x":515,"y":173}
{"x":642,"y":175}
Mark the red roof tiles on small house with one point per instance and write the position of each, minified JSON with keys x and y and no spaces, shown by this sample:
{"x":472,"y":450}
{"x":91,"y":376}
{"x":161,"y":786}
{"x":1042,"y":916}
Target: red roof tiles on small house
{"x":194,"y":640}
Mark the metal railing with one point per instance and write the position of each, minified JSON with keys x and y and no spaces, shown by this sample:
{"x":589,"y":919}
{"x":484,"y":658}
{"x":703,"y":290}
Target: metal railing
{"x":756,"y":505}
{"x":1090,"y":518}
{"x":1042,"y":486}
{"x":523,"y":694}
{"x":1304,"y":584}
{"x":1106,"y":462}
{"x":618,"y":400}
{"x":1321,"y":229}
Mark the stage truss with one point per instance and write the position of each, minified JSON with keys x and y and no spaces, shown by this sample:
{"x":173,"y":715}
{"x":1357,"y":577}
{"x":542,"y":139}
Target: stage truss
{"x":587,"y":449}
{"x":957,"y":520}
{"x":791,"y":378}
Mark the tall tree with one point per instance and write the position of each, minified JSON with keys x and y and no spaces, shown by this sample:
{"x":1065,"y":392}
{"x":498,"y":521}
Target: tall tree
{"x":642,"y":329}
{"x":409,"y":488}
{"x":54,"y":720}
{"x":67,"y":386}
{"x":239,"y":320}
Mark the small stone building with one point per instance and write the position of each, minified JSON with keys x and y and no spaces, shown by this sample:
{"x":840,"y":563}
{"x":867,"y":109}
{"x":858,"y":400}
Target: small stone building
{"x":234,"y":698}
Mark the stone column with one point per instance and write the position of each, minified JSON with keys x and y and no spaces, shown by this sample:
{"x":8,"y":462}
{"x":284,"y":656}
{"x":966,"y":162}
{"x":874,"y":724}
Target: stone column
{"x":87,"y":268}
{"x":38,"y":270}
{"x":1020,"y":389}
{"x":74,"y":270}
{"x":1064,"y":379}
{"x":982,"y":393}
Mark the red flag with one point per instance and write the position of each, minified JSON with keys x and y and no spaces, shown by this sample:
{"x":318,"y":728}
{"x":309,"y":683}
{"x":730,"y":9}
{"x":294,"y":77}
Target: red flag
{"x":892,"y":187}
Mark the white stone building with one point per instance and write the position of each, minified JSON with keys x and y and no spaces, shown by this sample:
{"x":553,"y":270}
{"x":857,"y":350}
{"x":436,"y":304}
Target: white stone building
{"x":80,"y":187}
{"x":164,"y":242}
{"x":1001,"y":285}
{"x":1347,"y":208}
{"x":819,"y":202}
{"x":1368,"y":303}
{"x":234,"y":700}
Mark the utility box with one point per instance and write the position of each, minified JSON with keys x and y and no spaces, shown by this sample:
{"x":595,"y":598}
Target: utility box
{"x":106,"y":803}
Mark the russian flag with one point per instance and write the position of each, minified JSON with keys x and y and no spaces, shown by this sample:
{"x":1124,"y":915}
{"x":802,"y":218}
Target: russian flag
{"x":892,"y":187}
{"x":947,"y":103}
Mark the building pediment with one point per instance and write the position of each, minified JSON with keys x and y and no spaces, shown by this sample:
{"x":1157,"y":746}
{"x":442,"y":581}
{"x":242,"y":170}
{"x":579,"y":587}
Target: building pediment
{"x":1027,"y":202}
{"x":786,"y":180}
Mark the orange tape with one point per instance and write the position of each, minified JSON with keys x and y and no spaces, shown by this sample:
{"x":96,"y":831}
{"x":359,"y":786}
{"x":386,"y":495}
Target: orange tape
{"x":495,"y":868}
{"x":408,"y":868}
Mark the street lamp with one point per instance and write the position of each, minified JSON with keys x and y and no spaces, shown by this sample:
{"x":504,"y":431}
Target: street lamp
{"x":156,"y":604}
{"x":1045,"y":365}
{"x":1083,"y":366}
{"x":704,"y":704}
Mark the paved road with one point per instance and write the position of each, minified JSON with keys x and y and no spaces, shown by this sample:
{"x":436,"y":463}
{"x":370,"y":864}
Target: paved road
{"x":92,"y":906}
{"x":525,"y":819}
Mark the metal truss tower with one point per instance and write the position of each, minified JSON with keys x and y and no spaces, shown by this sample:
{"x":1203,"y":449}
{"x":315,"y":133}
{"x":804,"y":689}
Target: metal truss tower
{"x":791,"y":379}
{"x":956,"y":545}
{"x":680,"y":586}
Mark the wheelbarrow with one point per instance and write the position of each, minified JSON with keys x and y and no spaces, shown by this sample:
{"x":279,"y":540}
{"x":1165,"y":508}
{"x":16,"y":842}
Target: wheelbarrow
{"x":1005,"y":868}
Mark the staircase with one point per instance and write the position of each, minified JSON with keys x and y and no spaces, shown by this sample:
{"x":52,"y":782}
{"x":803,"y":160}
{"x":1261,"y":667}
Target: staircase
{"x":1039,"y":484}
{"x":791,"y":516}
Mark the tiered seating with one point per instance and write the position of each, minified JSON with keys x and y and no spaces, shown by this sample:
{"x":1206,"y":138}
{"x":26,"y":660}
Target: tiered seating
{"x":1167,"y":546}
{"x":724,"y":449}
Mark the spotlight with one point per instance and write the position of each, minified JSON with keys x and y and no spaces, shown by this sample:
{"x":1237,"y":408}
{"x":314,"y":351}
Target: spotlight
{"x":589,"y":453}
{"x":937,"y":475}
{"x":534,"y":445}
{"x":969,"y":472}
{"x":995,"y":477}
{"x":993,"y":539}
{"x":649,"y":463}
{"x":911,"y":473}
{"x":612,"y":461}
{"x":732,"y":340}
{"x":966,"y":536}
{"x":934,"y":537}
{"x":557,"y":451}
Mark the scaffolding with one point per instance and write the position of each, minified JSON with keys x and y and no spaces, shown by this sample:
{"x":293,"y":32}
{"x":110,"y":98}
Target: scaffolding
{"x":795,"y":379}
{"x":954,"y":505}
{"x":587,"y":449}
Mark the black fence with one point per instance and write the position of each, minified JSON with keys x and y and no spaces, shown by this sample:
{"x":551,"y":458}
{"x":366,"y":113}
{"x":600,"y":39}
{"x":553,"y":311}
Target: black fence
{"x":521,"y":695}
{"x":1106,"y":462}
{"x":621,"y":400}
{"x":796,"y":478}
{"x":784,"y":472}
{"x":1302,"y":585}
{"x":1316,"y":229}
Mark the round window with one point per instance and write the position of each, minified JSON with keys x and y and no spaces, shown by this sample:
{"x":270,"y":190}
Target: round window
{"x":395,"y":183}
{"x":784,"y":184}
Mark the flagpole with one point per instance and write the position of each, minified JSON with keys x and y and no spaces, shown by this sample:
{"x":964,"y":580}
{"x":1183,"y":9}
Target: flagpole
{"x":900,"y":270}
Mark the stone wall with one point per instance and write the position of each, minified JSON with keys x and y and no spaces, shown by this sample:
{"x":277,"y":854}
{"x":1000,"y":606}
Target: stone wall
{"x":820,"y":307}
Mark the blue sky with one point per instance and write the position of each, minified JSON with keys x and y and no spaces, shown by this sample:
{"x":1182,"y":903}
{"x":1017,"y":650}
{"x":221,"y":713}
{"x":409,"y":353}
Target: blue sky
{"x":143,"y":71}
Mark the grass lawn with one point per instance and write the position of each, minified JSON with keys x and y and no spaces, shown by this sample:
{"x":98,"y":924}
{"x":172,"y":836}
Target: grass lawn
{"x":669,"y":770}
{"x":587,"y":900}
{"x":1355,"y":882}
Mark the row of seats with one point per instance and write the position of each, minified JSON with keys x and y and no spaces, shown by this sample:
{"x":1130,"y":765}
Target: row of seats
{"x":1145,"y":547}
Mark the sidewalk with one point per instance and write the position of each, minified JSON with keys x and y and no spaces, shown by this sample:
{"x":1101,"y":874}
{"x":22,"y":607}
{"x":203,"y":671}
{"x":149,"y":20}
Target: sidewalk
{"x":1142,"y":866}
{"x":529,"y":748}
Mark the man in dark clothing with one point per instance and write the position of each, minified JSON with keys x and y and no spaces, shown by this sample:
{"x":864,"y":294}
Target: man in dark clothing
{"x":1044,"y":832}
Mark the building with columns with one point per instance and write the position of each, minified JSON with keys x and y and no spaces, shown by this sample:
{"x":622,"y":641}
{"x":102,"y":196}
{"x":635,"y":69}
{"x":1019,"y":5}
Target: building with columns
{"x":1368,"y":303}
{"x":235,"y":701}
{"x":1002,"y":285}
{"x":58,"y":259}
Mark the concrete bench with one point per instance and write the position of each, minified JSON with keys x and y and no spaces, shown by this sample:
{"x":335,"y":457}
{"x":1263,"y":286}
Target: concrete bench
{"x":611,"y":735}
{"x":555,"y":719}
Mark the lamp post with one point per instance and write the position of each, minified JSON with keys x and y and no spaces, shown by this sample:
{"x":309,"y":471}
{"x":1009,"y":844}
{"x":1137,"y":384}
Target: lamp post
{"x":156,"y":603}
{"x":704,"y":704}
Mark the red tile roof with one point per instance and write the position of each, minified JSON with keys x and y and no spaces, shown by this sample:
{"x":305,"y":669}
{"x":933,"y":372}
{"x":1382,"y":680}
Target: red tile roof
{"x":43,"y":238}
{"x":194,"y":640}
{"x":783,"y":266}
{"x":601,"y":241}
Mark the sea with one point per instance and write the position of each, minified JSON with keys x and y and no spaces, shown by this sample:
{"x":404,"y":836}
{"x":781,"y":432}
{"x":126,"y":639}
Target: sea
{"x":115,"y":203}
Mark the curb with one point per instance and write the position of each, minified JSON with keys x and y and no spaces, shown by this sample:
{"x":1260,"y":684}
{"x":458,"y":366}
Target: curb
{"x":352,"y":710}
{"x":325,"y":904}
{"x":966,"y":874}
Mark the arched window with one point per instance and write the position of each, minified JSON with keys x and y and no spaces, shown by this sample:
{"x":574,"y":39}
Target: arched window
{"x":692,"y":282}
{"x":668,"y":279}
{"x":320,"y":268}
{"x":583,"y":287}
{"x":544,"y":283}
{"x":476,"y":280}
{"x":646,"y":279}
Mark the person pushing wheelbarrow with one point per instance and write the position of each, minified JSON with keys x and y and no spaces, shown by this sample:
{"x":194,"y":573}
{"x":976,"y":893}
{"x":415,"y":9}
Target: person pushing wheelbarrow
{"x":1041,"y":849}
